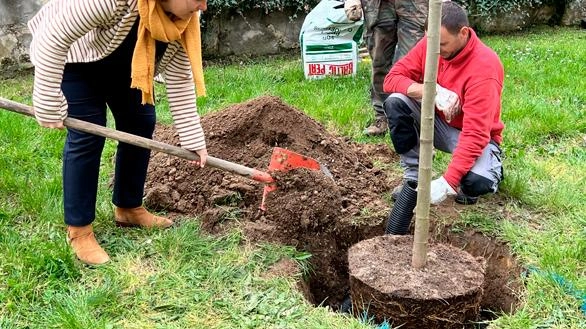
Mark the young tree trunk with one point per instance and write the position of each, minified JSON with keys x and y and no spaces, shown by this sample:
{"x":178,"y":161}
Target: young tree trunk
{"x":420,"y":242}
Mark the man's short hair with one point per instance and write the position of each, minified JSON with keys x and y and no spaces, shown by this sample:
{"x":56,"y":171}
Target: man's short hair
{"x":454,"y":17}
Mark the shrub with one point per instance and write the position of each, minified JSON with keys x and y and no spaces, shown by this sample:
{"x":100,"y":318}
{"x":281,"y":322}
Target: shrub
{"x":217,"y":6}
{"x":483,"y":10}
{"x":487,"y":10}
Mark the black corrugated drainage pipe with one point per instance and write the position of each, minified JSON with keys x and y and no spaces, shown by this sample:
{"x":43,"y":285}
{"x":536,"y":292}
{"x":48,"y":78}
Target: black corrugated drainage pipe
{"x":402,"y":212}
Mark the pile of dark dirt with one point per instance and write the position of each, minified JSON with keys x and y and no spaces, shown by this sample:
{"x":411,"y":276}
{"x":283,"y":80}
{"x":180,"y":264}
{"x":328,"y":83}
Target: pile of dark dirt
{"x":309,"y":210}
{"x":246,"y":134}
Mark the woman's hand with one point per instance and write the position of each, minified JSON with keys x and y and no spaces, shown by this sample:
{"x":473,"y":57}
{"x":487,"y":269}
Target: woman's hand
{"x":53,"y":125}
{"x":203,"y":156}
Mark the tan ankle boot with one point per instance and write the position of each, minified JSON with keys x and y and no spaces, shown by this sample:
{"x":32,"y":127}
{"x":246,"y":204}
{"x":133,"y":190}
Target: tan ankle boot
{"x":139,"y":216}
{"x":84,"y":244}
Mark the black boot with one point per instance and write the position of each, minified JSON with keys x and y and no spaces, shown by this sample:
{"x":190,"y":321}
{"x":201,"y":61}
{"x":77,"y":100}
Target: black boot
{"x":465,"y":199}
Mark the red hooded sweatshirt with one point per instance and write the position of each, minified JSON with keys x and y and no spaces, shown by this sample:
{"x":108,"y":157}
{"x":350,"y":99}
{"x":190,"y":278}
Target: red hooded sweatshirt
{"x":476,"y":75}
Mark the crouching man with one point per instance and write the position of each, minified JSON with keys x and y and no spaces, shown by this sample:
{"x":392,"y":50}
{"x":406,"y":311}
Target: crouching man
{"x":468,"y":110}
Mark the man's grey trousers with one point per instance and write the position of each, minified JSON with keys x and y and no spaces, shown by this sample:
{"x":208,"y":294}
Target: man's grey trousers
{"x":404,"y":117}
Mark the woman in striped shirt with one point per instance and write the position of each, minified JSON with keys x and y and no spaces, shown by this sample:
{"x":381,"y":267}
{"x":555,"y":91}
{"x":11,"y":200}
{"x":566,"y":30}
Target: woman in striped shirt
{"x":93,"y":54}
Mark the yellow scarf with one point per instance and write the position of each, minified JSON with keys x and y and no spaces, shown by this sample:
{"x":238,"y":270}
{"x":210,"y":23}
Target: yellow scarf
{"x":156,"y":25}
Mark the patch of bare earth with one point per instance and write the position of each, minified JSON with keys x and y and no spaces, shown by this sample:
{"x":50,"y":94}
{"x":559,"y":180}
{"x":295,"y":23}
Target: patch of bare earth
{"x":309,"y":210}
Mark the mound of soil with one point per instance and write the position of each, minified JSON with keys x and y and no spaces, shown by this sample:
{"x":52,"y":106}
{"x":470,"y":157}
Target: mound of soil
{"x":246,"y":134}
{"x":308,"y":210}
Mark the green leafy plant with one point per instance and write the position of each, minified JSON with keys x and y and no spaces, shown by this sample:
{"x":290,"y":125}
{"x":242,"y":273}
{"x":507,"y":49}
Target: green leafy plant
{"x":488,"y":10}
{"x":217,"y":6}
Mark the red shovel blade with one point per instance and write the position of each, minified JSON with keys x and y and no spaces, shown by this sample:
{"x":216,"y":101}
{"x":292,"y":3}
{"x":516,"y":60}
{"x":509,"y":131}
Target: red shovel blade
{"x":285,"y":160}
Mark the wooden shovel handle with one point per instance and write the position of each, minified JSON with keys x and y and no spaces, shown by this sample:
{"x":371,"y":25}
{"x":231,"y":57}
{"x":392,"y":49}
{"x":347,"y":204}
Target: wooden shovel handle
{"x":120,"y":136}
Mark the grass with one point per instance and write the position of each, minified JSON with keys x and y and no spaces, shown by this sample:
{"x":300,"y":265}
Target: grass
{"x":185,"y":278}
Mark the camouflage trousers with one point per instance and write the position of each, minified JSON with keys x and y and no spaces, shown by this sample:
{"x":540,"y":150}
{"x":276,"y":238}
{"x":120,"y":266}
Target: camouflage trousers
{"x":393,"y":27}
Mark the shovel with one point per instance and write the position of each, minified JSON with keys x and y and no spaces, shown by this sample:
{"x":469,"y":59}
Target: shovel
{"x":281,"y":159}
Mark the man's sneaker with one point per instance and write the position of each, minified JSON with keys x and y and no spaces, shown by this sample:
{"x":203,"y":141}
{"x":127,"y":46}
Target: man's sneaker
{"x":378,"y":127}
{"x":464,"y":199}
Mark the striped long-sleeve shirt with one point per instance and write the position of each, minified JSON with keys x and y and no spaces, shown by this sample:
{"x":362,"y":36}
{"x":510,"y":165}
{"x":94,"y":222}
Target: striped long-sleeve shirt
{"x":66,"y":31}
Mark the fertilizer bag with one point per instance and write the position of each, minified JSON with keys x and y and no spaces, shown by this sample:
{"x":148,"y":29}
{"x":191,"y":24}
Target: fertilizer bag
{"x":329,"y":41}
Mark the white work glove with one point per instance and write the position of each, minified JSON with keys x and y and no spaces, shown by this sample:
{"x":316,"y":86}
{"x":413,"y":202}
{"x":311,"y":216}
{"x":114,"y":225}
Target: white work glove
{"x":353,"y":10}
{"x":440,"y":189}
{"x":448,"y":102}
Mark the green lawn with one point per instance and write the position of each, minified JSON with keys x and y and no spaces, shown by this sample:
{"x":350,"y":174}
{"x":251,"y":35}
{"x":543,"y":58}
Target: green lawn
{"x":184,"y":278}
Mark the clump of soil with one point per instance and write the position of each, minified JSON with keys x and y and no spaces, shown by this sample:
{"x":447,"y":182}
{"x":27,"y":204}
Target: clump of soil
{"x":446,"y":293}
{"x":311,"y":207}
{"x":309,"y":210}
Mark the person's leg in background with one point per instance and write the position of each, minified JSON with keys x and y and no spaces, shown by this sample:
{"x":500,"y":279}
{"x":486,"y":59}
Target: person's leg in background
{"x":411,"y":16}
{"x":381,"y":41}
{"x":81,"y":162}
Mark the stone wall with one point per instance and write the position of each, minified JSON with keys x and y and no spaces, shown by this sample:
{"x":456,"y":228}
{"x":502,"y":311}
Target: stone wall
{"x":255,"y":33}
{"x":14,"y":35}
{"x":575,"y":13}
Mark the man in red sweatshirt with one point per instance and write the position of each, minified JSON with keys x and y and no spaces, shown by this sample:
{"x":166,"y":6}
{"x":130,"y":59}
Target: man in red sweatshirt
{"x":468,"y":110}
